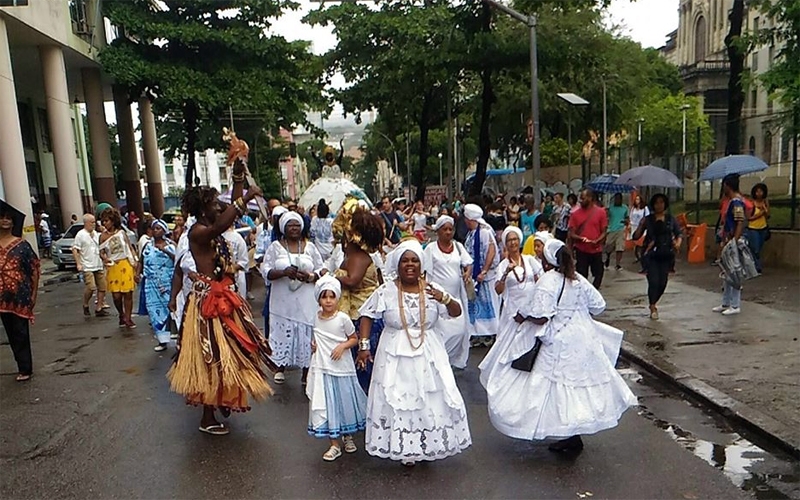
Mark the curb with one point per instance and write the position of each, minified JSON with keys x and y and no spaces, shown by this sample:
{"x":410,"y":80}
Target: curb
{"x":62,"y":278}
{"x":766,"y":427}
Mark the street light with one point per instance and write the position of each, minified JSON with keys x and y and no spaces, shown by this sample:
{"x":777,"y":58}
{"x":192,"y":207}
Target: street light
{"x":572,"y":100}
{"x":440,"y":169}
{"x":529,"y":21}
{"x":640,"y":121}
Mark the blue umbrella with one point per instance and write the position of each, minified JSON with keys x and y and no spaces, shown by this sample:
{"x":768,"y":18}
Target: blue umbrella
{"x":733,"y":164}
{"x":650,"y":175}
{"x":606,"y":183}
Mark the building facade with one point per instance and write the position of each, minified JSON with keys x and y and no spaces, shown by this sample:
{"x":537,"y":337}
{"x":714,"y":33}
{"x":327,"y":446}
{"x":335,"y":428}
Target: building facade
{"x":698,"y":49}
{"x":48,"y":67}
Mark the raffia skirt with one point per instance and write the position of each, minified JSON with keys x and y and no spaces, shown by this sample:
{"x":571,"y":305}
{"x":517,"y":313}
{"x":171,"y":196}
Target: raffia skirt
{"x":221,"y":350}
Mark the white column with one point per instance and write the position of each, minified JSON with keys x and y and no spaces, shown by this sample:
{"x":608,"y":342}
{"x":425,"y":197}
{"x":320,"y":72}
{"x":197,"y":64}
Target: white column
{"x":62,"y":135}
{"x":12,"y":156}
{"x":152,"y":166}
{"x":98,"y":136}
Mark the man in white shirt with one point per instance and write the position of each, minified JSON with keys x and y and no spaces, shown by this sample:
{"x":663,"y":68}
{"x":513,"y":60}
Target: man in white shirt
{"x":86,"y":250}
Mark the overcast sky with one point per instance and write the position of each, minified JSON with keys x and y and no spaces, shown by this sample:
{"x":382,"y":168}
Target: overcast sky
{"x":645,"y":21}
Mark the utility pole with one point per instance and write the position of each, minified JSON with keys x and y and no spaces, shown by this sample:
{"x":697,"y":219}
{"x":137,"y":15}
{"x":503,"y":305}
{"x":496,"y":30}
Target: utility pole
{"x":605,"y":128}
{"x":531,"y":22}
{"x":639,"y":142}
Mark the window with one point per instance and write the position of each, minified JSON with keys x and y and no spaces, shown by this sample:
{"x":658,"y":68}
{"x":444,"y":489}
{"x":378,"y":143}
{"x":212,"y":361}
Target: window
{"x":756,"y":24}
{"x":754,"y":65}
{"x":44,"y":130}
{"x":754,"y":102}
{"x":766,"y":154}
{"x":786,"y":141}
{"x":770,"y":56}
{"x":769,"y":106}
{"x":700,"y":40}
{"x":26,"y":126}
{"x":168,"y":168}
{"x":751,"y":150}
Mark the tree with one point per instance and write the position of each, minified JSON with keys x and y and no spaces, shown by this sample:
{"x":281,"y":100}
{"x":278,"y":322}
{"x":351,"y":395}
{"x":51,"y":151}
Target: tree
{"x":782,"y":80}
{"x":736,"y":54}
{"x":398,"y":60}
{"x":662,"y":129}
{"x":199,"y":58}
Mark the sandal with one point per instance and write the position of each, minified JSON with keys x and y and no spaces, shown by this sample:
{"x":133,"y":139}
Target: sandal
{"x":23,"y":377}
{"x":349,"y":444}
{"x":332,"y":454}
{"x":215,"y":429}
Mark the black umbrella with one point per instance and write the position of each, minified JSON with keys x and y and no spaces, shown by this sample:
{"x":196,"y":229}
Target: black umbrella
{"x":16,"y":216}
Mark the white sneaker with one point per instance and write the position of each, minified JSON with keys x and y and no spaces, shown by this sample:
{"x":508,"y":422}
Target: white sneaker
{"x":279,"y":378}
{"x":731,"y":311}
{"x":720,"y":309}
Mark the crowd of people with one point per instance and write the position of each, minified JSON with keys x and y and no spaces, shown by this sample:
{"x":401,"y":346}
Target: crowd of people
{"x":375,"y":312}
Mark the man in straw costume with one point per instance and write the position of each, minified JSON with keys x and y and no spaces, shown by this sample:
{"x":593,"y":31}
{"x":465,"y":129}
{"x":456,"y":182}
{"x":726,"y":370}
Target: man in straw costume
{"x":220,"y":348}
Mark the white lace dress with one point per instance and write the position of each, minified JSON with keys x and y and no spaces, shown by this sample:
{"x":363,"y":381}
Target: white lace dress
{"x":414,"y":409}
{"x":292,"y":307}
{"x":520,"y":284}
{"x":573,"y":388}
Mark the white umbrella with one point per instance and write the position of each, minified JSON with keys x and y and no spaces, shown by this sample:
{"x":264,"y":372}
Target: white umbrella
{"x":333,"y":191}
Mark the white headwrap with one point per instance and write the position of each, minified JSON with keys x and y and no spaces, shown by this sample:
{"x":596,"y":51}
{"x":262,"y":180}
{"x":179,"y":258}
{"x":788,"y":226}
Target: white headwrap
{"x":551,"y":248}
{"x":279,"y":210}
{"x":509,"y":230}
{"x":543,"y":236}
{"x":473,"y":212}
{"x":393,"y":259}
{"x":327,"y":283}
{"x":441,"y":221}
{"x":288,"y":217}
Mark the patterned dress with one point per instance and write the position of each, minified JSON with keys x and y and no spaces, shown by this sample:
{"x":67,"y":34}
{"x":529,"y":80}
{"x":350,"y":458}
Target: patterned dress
{"x":19,"y":264}
{"x":158,"y":268}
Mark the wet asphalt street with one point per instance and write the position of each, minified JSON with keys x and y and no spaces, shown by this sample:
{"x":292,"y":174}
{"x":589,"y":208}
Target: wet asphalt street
{"x":98,"y":421}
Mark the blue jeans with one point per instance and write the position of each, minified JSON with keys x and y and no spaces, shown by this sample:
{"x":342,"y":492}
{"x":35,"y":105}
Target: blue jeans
{"x":756,"y":239}
{"x":731,"y":296}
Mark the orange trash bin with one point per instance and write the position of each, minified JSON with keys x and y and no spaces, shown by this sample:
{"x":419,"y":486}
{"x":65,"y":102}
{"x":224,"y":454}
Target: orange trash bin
{"x":696,"y":237}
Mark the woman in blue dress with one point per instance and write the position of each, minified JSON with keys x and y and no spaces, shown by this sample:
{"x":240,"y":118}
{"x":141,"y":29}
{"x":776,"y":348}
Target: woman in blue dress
{"x":156,"y":266}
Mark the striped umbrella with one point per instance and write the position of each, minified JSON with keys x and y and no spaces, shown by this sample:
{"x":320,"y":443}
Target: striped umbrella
{"x":606,"y":184}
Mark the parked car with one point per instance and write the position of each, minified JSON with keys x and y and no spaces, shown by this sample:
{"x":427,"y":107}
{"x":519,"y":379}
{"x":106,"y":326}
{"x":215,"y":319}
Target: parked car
{"x":169,"y":218}
{"x":62,"y":248}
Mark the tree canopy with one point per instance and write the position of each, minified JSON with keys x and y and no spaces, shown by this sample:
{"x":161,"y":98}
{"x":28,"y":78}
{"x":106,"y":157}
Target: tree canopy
{"x":198,"y":59}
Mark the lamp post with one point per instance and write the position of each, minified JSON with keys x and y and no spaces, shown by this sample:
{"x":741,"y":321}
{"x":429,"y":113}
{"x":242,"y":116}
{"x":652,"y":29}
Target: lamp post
{"x":605,"y":127}
{"x":529,"y":21}
{"x":440,"y":169}
{"x":572,"y":100}
{"x":640,"y":121}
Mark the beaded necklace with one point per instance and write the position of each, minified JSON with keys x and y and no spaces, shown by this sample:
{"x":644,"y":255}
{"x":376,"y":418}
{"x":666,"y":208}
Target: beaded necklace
{"x":514,"y":269}
{"x":401,"y":301}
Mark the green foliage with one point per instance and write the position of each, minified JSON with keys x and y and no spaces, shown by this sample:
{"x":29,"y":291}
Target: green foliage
{"x":662,"y":130}
{"x":199,"y":58}
{"x":782,"y":80}
{"x":555,"y":152}
{"x":266,"y":168}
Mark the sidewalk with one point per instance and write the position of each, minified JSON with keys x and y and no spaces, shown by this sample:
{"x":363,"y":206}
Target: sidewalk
{"x":746,"y":366}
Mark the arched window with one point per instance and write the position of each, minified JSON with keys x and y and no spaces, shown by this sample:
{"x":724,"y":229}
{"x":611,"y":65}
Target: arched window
{"x":767,"y":153}
{"x":700,"y":40}
{"x":752,"y":146}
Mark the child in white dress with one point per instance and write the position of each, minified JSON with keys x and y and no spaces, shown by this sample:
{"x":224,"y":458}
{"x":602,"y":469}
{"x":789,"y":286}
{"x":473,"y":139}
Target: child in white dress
{"x":337,"y":403}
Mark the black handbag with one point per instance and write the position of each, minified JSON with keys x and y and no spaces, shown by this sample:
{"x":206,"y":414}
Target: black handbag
{"x":525,"y":362}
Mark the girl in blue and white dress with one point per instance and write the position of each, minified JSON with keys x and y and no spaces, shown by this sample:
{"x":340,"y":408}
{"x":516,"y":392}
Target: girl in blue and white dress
{"x":573,"y":388}
{"x":337,"y":403}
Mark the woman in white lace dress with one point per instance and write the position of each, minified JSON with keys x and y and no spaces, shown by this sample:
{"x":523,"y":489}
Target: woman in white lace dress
{"x":291,"y":266}
{"x":414,"y":409}
{"x":516,"y":278}
{"x":573,"y":387}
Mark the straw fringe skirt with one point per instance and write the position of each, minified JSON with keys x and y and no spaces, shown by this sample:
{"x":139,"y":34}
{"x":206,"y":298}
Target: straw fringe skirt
{"x":217,"y":364}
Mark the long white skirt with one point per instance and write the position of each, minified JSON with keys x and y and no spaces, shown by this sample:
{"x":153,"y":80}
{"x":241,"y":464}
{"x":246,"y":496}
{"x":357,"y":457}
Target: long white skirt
{"x":414,"y":409}
{"x":290,"y":342}
{"x":573,"y":388}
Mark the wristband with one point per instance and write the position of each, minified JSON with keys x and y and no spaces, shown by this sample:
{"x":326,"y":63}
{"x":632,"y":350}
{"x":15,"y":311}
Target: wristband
{"x":363,"y":344}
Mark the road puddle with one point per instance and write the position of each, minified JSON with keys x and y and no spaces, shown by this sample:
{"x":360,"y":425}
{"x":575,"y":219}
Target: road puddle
{"x":750,"y":464}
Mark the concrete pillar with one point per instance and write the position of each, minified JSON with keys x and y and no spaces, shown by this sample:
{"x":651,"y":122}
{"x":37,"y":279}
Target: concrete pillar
{"x":127,"y":149}
{"x":105,"y":191}
{"x":62,"y":135}
{"x":12,"y":156}
{"x":151,"y":163}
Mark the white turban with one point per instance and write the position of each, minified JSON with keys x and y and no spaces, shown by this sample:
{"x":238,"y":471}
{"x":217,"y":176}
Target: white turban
{"x":327,"y":283}
{"x":473,"y":212}
{"x":410,"y":245}
{"x":510,"y":230}
{"x":279,"y":210}
{"x":288,"y":217}
{"x":543,"y":236}
{"x":551,"y":248}
{"x":441,"y":221}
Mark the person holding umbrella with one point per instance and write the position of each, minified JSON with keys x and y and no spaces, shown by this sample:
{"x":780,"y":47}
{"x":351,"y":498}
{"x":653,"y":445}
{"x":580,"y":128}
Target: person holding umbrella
{"x":19,"y":285}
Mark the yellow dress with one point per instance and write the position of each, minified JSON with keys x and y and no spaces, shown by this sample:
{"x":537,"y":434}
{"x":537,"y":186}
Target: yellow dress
{"x":119,"y":275}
